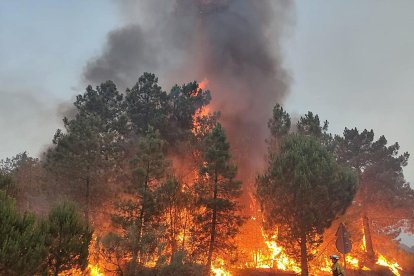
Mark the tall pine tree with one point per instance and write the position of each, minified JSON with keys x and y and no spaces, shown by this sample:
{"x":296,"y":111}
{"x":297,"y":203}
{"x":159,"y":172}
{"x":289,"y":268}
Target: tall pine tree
{"x":138,"y":213}
{"x":218,"y":218}
{"x":302,"y":191}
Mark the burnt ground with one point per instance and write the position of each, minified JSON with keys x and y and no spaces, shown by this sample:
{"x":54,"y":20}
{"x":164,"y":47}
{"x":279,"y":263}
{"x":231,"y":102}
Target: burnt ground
{"x":267,"y":272}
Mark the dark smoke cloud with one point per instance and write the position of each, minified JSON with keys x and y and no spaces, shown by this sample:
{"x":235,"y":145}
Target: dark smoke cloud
{"x":235,"y":44}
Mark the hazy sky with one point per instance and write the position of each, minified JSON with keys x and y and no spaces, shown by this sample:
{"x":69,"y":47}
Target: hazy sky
{"x":350,"y":61}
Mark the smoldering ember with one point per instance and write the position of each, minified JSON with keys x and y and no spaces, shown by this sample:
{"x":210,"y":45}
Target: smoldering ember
{"x":180,"y":158}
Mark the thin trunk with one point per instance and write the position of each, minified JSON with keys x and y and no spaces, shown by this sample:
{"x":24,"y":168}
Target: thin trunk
{"x":184,"y":231}
{"x":213,"y":226}
{"x":172,"y":234}
{"x":87,"y":199}
{"x":57,"y":268}
{"x":135,"y":249}
{"x":303,"y":256}
{"x":368,"y":238}
{"x":140,"y":225}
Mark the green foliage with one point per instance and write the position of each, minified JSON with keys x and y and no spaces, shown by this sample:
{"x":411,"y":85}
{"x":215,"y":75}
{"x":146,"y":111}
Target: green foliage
{"x":87,"y":153}
{"x":138,"y":214}
{"x":184,"y":101}
{"x":68,"y":238}
{"x":175,"y":201}
{"x":22,"y":248}
{"x":147,"y":104}
{"x":302,"y":191}
{"x":382,"y":187}
{"x":171,"y":114}
{"x":21,"y":176}
{"x":106,"y":103}
{"x":279,"y":124}
{"x":310,"y":125}
{"x":7,"y":184}
{"x":218,"y":218}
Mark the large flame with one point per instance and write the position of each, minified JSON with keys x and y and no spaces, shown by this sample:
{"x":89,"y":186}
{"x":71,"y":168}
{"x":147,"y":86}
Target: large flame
{"x":218,"y":268}
{"x":393,"y":266}
{"x":277,"y":257}
{"x":263,"y":252}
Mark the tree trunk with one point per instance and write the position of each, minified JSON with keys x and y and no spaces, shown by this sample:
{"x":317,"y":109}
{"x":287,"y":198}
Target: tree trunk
{"x":57,"y":268}
{"x":303,"y":256}
{"x":213,"y":228}
{"x":87,"y":200}
{"x":173,"y":239}
{"x":368,"y":239}
{"x":140,"y":226}
{"x":184,"y":231}
{"x":135,"y":249}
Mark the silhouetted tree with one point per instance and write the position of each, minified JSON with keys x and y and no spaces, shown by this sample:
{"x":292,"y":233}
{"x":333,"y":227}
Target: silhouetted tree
{"x":22,"y":240}
{"x":218,"y":219}
{"x":68,"y":238}
{"x":301,"y":192}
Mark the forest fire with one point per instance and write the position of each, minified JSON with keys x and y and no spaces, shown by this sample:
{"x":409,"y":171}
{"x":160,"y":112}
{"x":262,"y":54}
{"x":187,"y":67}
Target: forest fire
{"x":173,"y":235}
{"x":393,"y":266}
{"x":191,"y":183}
{"x":278,"y":259}
{"x":218,"y":268}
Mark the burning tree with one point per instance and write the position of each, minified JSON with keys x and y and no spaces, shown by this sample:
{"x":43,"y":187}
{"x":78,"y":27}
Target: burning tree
{"x":383,"y":203}
{"x":383,"y":197}
{"x":302,"y":191}
{"x":138,"y":215}
{"x":218,"y":218}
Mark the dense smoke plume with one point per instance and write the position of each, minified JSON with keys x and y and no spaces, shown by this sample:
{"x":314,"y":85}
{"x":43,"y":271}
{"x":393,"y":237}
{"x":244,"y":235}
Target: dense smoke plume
{"x":235,"y":44}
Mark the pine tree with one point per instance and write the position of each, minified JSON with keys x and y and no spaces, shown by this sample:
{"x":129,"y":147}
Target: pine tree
{"x":88,"y":151}
{"x":217,"y":219}
{"x":301,"y":192}
{"x":68,"y":238}
{"x":174,"y":200}
{"x":22,"y":240}
{"x":138,"y":215}
{"x":383,"y":194}
{"x":146,"y":105}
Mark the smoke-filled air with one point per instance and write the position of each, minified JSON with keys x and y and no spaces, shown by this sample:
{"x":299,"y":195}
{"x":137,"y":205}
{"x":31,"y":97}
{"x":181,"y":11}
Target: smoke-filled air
{"x":231,"y":46}
{"x":179,"y":157}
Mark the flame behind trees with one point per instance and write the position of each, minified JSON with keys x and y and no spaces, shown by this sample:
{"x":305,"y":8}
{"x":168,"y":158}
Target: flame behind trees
{"x":383,"y":201}
{"x":138,"y":216}
{"x":302,"y":191}
{"x":383,"y":195}
{"x":68,"y":238}
{"x":217,"y":192}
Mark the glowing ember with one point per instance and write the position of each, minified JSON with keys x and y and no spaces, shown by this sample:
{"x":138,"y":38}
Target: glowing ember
{"x":203,"y":84}
{"x":94,"y":270}
{"x":364,"y":243}
{"x":218,"y":268}
{"x":353,"y":262}
{"x":393,"y":266}
{"x":326,"y":267}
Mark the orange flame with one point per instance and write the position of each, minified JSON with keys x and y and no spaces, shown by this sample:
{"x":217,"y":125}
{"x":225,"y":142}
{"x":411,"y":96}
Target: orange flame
{"x":278,"y":258}
{"x":218,"y":268}
{"x":393,"y":266}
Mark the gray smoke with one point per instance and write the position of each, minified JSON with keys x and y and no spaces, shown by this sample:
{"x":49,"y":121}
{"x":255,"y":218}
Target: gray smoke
{"x":235,"y":44}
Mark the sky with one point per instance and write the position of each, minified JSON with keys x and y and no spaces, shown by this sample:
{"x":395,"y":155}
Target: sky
{"x":351,"y":62}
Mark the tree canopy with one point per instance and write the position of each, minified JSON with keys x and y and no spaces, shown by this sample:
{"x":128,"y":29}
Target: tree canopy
{"x":301,"y":192}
